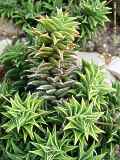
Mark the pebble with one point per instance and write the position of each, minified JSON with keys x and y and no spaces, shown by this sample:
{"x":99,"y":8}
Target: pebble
{"x":4,"y":43}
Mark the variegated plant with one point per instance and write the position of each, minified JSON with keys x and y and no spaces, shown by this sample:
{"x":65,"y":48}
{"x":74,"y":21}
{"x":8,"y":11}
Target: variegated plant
{"x":54,"y":42}
{"x":22,"y":115}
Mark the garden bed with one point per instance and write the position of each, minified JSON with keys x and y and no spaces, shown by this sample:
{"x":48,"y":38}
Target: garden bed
{"x":52,"y":106}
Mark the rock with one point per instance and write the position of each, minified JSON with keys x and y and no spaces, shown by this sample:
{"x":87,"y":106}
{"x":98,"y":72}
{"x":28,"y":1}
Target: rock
{"x":24,"y":40}
{"x":114,"y":67}
{"x":8,"y":33}
{"x":8,"y":29}
{"x":90,"y":46}
{"x":4,"y":43}
{"x":109,"y":77}
{"x":89,"y":57}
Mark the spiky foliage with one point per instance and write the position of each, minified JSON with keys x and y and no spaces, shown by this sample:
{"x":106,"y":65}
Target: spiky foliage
{"x":7,"y":8}
{"x":91,"y":85}
{"x":23,"y":115}
{"x":80,"y":119}
{"x":53,"y":147}
{"x":5,"y":89}
{"x":92,"y":15}
{"x":22,"y":12}
{"x":54,"y":43}
{"x":15,"y":62}
{"x":51,"y":5}
{"x":78,"y":122}
{"x":55,"y":35}
{"x":26,"y":12}
{"x":21,"y":152}
{"x":112,"y":118}
{"x":13,"y":147}
{"x":90,"y":154}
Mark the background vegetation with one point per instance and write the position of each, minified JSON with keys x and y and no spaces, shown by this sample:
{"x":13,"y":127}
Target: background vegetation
{"x":50,"y":108}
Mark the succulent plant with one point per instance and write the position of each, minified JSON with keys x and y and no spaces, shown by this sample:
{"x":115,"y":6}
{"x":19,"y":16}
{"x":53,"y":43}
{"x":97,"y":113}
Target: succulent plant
{"x":54,"y":39}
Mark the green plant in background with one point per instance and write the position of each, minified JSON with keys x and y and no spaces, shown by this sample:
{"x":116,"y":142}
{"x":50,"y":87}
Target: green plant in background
{"x":16,"y":149}
{"x":5,"y":89}
{"x":15,"y":62}
{"x":22,"y":12}
{"x":112,"y":118}
{"x":26,"y":12}
{"x":92,"y":15}
{"x":15,"y":152}
{"x":90,"y":154}
{"x":7,"y":8}
{"x":50,"y":5}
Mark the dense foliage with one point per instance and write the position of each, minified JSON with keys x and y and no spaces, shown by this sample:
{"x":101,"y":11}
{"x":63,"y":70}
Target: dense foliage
{"x":50,"y":108}
{"x":90,"y":14}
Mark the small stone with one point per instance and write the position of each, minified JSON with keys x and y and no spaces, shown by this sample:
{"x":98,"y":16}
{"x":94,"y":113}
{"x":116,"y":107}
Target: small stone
{"x":114,"y":67}
{"x":89,"y":57}
{"x":4,"y":43}
{"x":90,"y":46}
{"x":109,"y":78}
{"x":8,"y":29}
